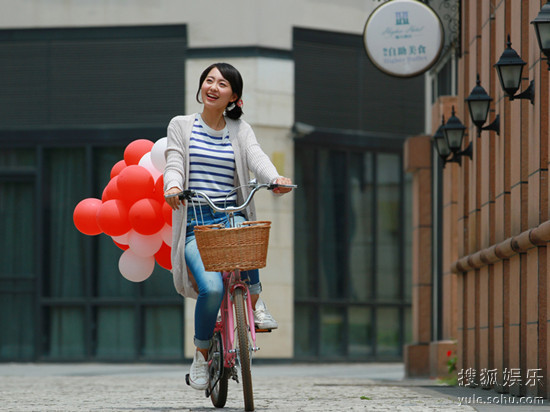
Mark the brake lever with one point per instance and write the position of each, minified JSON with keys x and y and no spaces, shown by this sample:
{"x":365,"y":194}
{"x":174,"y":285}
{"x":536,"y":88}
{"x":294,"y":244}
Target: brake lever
{"x":183,"y":195}
{"x":276,"y":185}
{"x":186,"y":195}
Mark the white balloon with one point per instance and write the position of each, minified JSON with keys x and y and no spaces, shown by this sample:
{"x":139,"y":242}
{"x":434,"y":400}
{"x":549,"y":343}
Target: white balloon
{"x":122,"y":239}
{"x":166,"y":233}
{"x":144,"y":245}
{"x":157,"y":153}
{"x":146,"y":162}
{"x":135,"y":268}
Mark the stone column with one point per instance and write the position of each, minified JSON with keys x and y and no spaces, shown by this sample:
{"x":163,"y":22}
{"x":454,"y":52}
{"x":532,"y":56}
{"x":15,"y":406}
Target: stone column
{"x":418,"y":162}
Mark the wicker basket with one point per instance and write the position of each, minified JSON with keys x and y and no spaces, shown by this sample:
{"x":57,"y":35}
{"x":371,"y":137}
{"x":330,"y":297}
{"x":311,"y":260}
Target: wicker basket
{"x":226,"y":249}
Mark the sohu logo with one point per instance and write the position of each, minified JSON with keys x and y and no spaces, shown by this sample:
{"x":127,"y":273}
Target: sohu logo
{"x":401,"y":17}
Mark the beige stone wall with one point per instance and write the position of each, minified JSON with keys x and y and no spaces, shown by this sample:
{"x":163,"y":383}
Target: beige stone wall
{"x":212,"y":23}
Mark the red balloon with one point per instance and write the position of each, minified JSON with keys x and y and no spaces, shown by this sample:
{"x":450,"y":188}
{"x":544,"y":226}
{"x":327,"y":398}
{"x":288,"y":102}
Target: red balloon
{"x":112,"y":217}
{"x":134,"y":183}
{"x":120,"y":245}
{"x":117,"y":168}
{"x":167,"y":213}
{"x":159,"y":189}
{"x":135,"y":151}
{"x":163,"y":256}
{"x":84,"y":216}
{"x":146,"y":216}
{"x":111,"y":190}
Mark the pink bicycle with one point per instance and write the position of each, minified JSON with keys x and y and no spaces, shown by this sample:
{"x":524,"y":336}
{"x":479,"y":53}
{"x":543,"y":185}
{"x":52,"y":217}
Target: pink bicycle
{"x":231,"y":250}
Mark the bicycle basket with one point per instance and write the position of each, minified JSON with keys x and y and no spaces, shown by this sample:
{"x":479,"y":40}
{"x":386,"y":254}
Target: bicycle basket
{"x":226,"y":249}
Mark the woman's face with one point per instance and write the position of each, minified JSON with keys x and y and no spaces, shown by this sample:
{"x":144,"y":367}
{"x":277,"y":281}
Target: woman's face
{"x":216,"y":92}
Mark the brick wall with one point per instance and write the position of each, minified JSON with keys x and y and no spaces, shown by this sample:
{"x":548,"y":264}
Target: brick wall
{"x":495,"y":202}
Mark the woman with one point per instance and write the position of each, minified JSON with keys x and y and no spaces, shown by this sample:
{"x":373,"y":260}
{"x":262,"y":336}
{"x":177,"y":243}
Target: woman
{"x":213,"y":152}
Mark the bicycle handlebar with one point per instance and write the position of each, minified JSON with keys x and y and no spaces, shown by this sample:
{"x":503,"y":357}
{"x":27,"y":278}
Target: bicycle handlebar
{"x":192,"y":194}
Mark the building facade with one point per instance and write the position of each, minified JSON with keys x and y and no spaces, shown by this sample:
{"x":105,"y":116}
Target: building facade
{"x":488,"y":274}
{"x":82,"y":80}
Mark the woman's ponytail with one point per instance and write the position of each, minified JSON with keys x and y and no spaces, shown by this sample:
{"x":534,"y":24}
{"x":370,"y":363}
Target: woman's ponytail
{"x":234,"y":111}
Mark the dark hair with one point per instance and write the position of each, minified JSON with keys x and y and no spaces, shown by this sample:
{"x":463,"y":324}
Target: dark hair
{"x":234,"y":78}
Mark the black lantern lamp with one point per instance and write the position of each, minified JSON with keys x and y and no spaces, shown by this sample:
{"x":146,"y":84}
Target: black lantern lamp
{"x":478,"y":105}
{"x":509,"y":68}
{"x":542,"y":30}
{"x":440,"y":143}
{"x":454,"y":133}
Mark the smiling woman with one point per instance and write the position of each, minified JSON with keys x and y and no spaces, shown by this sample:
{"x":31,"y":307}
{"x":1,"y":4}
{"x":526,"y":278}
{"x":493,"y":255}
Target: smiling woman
{"x":212,"y":152}
{"x":219,"y":94}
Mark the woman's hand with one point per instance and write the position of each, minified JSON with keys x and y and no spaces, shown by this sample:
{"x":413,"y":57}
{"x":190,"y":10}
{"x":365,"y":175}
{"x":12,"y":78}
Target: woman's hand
{"x":283,"y":181}
{"x":173,"y":201}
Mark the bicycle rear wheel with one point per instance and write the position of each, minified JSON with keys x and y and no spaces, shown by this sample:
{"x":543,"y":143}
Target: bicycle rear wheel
{"x":218,"y":374}
{"x":244,"y":350}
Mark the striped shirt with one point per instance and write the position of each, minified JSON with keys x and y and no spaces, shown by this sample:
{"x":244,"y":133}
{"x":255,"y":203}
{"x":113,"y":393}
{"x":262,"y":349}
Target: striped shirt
{"x":212,"y":162}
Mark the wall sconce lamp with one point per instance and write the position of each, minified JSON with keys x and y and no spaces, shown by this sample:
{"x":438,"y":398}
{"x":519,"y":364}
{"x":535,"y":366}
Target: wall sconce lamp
{"x":448,"y":140}
{"x":542,"y":30}
{"x":441,"y":145}
{"x":478,"y":105}
{"x":509,"y":69}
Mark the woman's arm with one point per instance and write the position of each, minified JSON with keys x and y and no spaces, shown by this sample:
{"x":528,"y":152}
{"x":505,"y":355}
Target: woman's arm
{"x":174,"y":173}
{"x":260,"y":164}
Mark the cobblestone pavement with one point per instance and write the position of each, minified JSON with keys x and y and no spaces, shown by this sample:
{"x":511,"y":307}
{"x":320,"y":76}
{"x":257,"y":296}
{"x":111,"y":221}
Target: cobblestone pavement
{"x":287,"y":387}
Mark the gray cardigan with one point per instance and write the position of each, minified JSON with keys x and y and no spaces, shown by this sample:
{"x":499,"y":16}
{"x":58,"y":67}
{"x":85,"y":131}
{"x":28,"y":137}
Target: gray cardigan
{"x":249,"y":157}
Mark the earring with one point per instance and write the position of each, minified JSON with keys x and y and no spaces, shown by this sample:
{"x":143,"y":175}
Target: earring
{"x":230,"y":107}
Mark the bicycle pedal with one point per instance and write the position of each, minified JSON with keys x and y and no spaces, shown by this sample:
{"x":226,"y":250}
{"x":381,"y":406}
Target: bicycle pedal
{"x":263,"y":330}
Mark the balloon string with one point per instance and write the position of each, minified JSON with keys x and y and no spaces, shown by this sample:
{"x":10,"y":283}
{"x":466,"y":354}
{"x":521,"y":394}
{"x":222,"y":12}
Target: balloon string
{"x":194,"y":210}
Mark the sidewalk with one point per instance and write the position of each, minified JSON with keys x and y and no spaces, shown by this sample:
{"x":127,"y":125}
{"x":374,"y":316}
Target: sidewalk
{"x":280,"y":387}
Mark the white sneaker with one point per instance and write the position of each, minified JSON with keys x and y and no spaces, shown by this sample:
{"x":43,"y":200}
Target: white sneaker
{"x":262,"y":317}
{"x":198,"y":375}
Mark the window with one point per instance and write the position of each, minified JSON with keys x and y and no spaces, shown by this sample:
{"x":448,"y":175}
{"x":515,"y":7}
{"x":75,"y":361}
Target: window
{"x":18,"y":258}
{"x":337,"y":86}
{"x":64,"y":286}
{"x":350,"y":269}
{"x":352,"y":236}
{"x":72,"y":100}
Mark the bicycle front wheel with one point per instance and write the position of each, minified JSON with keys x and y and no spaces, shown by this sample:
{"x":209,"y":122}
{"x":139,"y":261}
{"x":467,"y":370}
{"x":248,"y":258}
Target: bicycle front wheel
{"x":244,"y":349}
{"x":219,"y":375}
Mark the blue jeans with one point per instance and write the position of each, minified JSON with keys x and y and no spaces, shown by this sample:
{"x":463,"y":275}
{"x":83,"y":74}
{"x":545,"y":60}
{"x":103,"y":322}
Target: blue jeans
{"x":210,"y":284}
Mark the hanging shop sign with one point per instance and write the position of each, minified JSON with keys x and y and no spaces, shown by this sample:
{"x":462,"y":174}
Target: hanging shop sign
{"x":403,"y":38}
